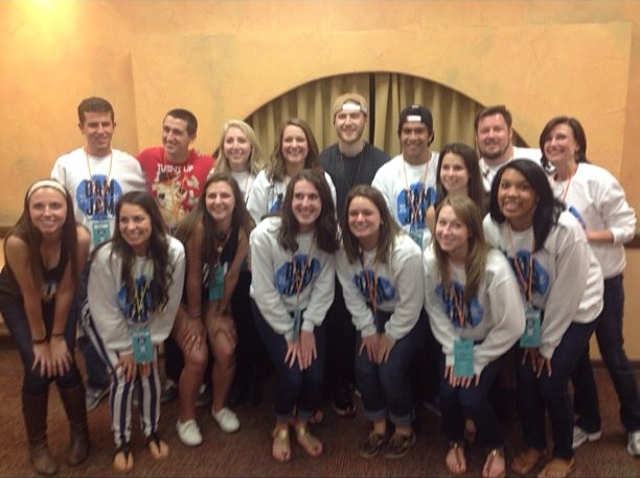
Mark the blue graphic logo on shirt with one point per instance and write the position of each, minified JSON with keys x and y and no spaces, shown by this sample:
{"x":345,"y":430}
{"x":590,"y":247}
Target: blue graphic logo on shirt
{"x":472,"y":311}
{"x":96,"y":198}
{"x":540,"y":279}
{"x":137,"y":309}
{"x":286,"y":280}
{"x":384,"y":290}
{"x":414,"y":202}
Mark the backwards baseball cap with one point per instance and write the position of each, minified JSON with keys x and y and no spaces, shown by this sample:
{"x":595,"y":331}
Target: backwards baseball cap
{"x":350,"y":102}
{"x":418,"y":114}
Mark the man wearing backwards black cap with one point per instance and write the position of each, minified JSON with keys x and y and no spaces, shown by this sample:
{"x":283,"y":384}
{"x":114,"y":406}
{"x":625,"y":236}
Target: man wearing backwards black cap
{"x":408,"y":181}
{"x":349,"y":162}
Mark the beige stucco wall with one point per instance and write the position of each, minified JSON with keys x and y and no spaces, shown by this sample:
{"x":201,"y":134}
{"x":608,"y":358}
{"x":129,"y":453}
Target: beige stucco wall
{"x":225,"y":59}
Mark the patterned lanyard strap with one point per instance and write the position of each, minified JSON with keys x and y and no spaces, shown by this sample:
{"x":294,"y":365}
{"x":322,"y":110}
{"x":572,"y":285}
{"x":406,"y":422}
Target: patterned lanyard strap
{"x":371,"y":283}
{"x":525,"y":283}
{"x":299,"y":278}
{"x":415,"y":205}
{"x":139,"y":295}
{"x":458,"y":305}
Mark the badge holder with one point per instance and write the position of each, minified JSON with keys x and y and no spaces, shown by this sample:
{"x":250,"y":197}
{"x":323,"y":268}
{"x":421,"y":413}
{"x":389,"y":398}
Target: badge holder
{"x":463,"y":358}
{"x":142,"y":346}
{"x":100,"y":232}
{"x":416,"y":232}
{"x":216,"y":283}
{"x":531,"y":336}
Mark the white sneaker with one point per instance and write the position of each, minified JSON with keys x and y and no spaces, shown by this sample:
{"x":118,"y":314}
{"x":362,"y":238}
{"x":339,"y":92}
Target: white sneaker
{"x":227,"y":420}
{"x":580,"y":436}
{"x":633,"y":445}
{"x":189,"y":433}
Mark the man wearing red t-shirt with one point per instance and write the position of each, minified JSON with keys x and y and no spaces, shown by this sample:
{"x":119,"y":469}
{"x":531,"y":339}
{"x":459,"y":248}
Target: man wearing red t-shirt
{"x":174,"y":172}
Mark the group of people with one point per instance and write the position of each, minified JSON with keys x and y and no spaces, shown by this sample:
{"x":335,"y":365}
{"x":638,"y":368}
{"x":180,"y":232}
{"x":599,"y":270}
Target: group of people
{"x":430,"y":276}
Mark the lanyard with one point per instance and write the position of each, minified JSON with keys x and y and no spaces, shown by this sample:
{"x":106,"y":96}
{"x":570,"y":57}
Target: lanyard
{"x":371,"y":283}
{"x":299,"y":279}
{"x":100,"y":195}
{"x":566,"y":189}
{"x":525,"y":284}
{"x":139,"y":296}
{"x":415,"y":205}
{"x":458,"y":305}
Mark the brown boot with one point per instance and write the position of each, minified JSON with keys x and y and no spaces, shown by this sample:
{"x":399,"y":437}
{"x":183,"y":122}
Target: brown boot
{"x":34,"y":409}
{"x":75,"y":406}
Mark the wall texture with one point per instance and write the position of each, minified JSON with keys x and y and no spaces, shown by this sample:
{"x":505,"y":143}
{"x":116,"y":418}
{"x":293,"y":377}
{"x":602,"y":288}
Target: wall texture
{"x":225,"y":59}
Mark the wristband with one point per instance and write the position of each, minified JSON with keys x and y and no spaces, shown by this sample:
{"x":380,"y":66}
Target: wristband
{"x":57,"y":334}
{"x":38,"y":341}
{"x":196,"y":315}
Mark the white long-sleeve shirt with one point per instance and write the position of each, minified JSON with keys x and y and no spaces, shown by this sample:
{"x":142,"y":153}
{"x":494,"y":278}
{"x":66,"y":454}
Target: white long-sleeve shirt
{"x":567,"y":280}
{"x":494,"y":319}
{"x":596,"y":196}
{"x":399,"y":291}
{"x":110,"y":314}
{"x":274,"y":284}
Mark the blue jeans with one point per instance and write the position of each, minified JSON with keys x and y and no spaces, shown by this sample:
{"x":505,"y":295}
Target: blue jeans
{"x":458,"y":403}
{"x":610,"y":342}
{"x":297,"y":388}
{"x":385,"y":387}
{"x":535,"y":394}
{"x":16,"y":320}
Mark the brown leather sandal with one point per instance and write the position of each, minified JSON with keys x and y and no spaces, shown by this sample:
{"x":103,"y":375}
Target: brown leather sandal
{"x":527,"y":460}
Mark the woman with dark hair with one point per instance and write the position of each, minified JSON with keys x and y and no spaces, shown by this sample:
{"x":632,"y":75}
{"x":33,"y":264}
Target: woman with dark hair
{"x":561,"y":283}
{"x":598,"y":200}
{"x":293,"y":267}
{"x":215,"y":235}
{"x":134,"y":291}
{"x":474,"y":306}
{"x":380,"y":269}
{"x":295,"y":150}
{"x":44,"y":253}
{"x":458,"y":173}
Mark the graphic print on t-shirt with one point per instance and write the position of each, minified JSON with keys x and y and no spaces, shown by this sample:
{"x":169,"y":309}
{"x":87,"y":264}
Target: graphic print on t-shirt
{"x":384,"y":290}
{"x":287,"y":282}
{"x":471,"y":311}
{"x":414,"y":202}
{"x":97,"y":198}
{"x":540,"y":279}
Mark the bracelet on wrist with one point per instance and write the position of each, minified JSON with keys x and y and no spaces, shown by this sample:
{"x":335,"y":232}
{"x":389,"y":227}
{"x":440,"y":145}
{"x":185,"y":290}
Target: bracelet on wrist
{"x":38,"y":341}
{"x":57,"y":334}
{"x":196,"y":315}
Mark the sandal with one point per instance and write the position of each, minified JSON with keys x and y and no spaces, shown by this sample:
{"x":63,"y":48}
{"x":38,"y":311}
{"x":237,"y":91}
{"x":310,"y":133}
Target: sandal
{"x":558,"y":468}
{"x":527,"y":461}
{"x":281,"y":448}
{"x":455,"y":459}
{"x":123,"y":458}
{"x":157,"y":447}
{"x":317,"y":417}
{"x":311,"y":444}
{"x":495,"y":460}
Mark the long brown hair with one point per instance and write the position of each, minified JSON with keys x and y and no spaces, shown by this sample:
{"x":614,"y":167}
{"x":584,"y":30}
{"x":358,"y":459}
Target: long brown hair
{"x":389,"y":228}
{"x":469,"y":213}
{"x":25,"y":230}
{"x":276,"y":170}
{"x":326,"y":225}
